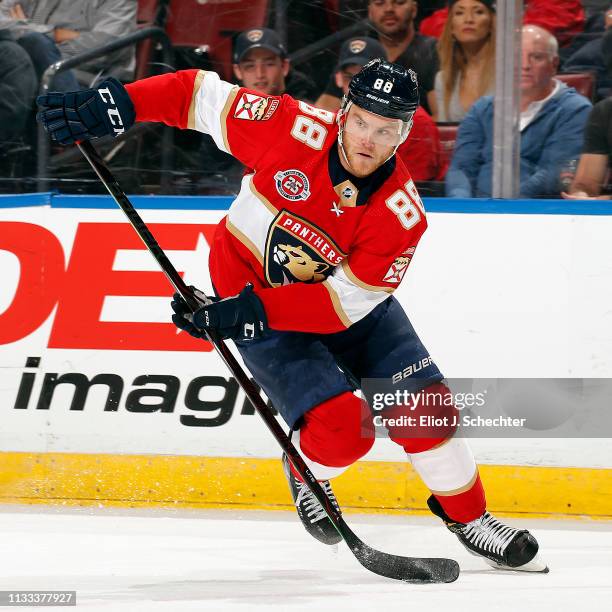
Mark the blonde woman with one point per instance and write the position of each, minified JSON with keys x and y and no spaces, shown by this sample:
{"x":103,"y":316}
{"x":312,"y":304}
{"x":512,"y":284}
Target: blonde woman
{"x":467,"y":59}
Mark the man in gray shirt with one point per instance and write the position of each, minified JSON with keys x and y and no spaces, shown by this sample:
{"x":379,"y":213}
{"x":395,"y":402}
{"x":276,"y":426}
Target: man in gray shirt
{"x":51,"y":30}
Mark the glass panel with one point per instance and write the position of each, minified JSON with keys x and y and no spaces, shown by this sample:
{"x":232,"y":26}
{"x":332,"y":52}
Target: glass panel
{"x":450,"y":148}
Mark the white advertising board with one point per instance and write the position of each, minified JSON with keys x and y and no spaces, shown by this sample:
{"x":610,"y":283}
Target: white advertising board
{"x":82,"y":302}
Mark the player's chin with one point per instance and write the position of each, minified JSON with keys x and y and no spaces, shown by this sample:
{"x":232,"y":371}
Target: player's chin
{"x":363,"y":165}
{"x":361,"y":169}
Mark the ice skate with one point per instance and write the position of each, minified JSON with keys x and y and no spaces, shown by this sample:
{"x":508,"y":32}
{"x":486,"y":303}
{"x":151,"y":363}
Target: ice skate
{"x":501,"y":546}
{"x":310,"y":511}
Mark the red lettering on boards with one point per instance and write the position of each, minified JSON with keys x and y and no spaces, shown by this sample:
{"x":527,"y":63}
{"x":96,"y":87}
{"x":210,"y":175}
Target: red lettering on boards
{"x":79,"y":288}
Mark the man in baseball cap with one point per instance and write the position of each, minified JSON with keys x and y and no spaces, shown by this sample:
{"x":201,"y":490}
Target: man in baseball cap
{"x":421,"y":150}
{"x":260,"y":61}
{"x":354,"y":54}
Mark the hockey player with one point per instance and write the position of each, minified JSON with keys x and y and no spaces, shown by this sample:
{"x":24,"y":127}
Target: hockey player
{"x":304,"y":266}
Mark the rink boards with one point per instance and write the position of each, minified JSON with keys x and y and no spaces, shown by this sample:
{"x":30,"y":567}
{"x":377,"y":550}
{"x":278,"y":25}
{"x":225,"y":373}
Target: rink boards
{"x":103,"y":402}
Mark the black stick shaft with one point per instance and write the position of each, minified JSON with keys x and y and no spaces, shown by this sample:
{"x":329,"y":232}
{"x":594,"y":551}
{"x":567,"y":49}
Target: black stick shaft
{"x":408,"y":569}
{"x":174,"y":277}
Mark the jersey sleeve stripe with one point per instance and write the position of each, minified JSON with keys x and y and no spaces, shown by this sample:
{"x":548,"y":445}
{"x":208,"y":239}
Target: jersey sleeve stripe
{"x":232,"y":229}
{"x":354,"y":301}
{"x":250,"y":219}
{"x":349,"y":273}
{"x":223,"y":118}
{"x":210,"y":104}
{"x":191,"y":122}
{"x":335,"y":299}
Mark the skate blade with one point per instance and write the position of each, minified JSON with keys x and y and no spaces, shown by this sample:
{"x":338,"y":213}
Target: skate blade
{"x":535,"y":565}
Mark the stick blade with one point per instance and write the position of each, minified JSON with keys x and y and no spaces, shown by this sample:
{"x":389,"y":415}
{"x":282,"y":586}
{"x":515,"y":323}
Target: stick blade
{"x":407,"y":569}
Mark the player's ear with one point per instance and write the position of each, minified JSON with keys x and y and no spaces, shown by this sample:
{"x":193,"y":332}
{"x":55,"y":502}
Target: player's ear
{"x":286,"y":67}
{"x":338,"y":79}
{"x":237,"y":71}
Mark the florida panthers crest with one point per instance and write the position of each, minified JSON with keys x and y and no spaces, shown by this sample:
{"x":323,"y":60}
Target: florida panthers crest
{"x":298,"y":251}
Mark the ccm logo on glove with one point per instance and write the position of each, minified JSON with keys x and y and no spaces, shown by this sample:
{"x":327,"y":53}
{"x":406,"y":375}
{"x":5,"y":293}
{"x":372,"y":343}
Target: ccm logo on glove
{"x":90,"y":113}
{"x":241,"y":317}
{"x":113,"y":113}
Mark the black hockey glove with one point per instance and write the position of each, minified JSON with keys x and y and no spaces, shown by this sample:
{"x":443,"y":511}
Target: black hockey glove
{"x":240,"y":317}
{"x":90,"y":113}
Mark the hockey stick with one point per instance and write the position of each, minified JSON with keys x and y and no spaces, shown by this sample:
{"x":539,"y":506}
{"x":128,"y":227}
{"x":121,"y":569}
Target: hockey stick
{"x":408,"y":569}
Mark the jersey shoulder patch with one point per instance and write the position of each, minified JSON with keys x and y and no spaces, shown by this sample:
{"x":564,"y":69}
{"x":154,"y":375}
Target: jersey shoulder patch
{"x":398,"y":268}
{"x":255,"y":107}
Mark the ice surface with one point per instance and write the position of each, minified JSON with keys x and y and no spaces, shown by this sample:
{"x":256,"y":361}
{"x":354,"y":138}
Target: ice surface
{"x":145,"y":560}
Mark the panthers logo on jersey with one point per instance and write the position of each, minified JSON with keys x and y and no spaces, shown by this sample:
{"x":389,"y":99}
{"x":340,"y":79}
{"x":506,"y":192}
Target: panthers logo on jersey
{"x":298,"y":252}
{"x":297,"y":264}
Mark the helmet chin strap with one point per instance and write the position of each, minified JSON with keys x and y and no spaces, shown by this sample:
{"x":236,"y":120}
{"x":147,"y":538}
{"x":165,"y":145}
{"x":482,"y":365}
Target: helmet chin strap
{"x":341,"y":119}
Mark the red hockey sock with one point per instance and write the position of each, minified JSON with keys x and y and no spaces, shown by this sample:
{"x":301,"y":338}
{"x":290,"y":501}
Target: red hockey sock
{"x":466,"y":505}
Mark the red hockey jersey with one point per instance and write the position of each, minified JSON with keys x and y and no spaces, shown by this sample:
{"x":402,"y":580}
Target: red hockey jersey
{"x":321,"y":247}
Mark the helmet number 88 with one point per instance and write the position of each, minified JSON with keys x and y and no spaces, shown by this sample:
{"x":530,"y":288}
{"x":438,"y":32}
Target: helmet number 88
{"x":386,"y":86}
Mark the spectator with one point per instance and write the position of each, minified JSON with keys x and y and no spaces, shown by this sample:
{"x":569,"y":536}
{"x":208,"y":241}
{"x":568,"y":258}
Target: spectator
{"x":606,"y":51}
{"x":594,"y":27}
{"x":17,"y":88}
{"x":593,"y":8}
{"x":590,"y":57}
{"x":552,"y":120}
{"x":596,"y":159}
{"x":467,"y":59}
{"x":420,"y":152}
{"x":54,"y":30}
{"x":354,"y":54}
{"x":393,"y":20}
{"x":563,"y":18}
{"x":260,"y":63}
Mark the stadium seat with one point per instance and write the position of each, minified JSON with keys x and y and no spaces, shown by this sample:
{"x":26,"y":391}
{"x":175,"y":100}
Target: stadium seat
{"x":147,"y":11}
{"x":582,"y":82}
{"x":448,"y":136}
{"x":212,"y":25}
{"x":146,"y":16}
